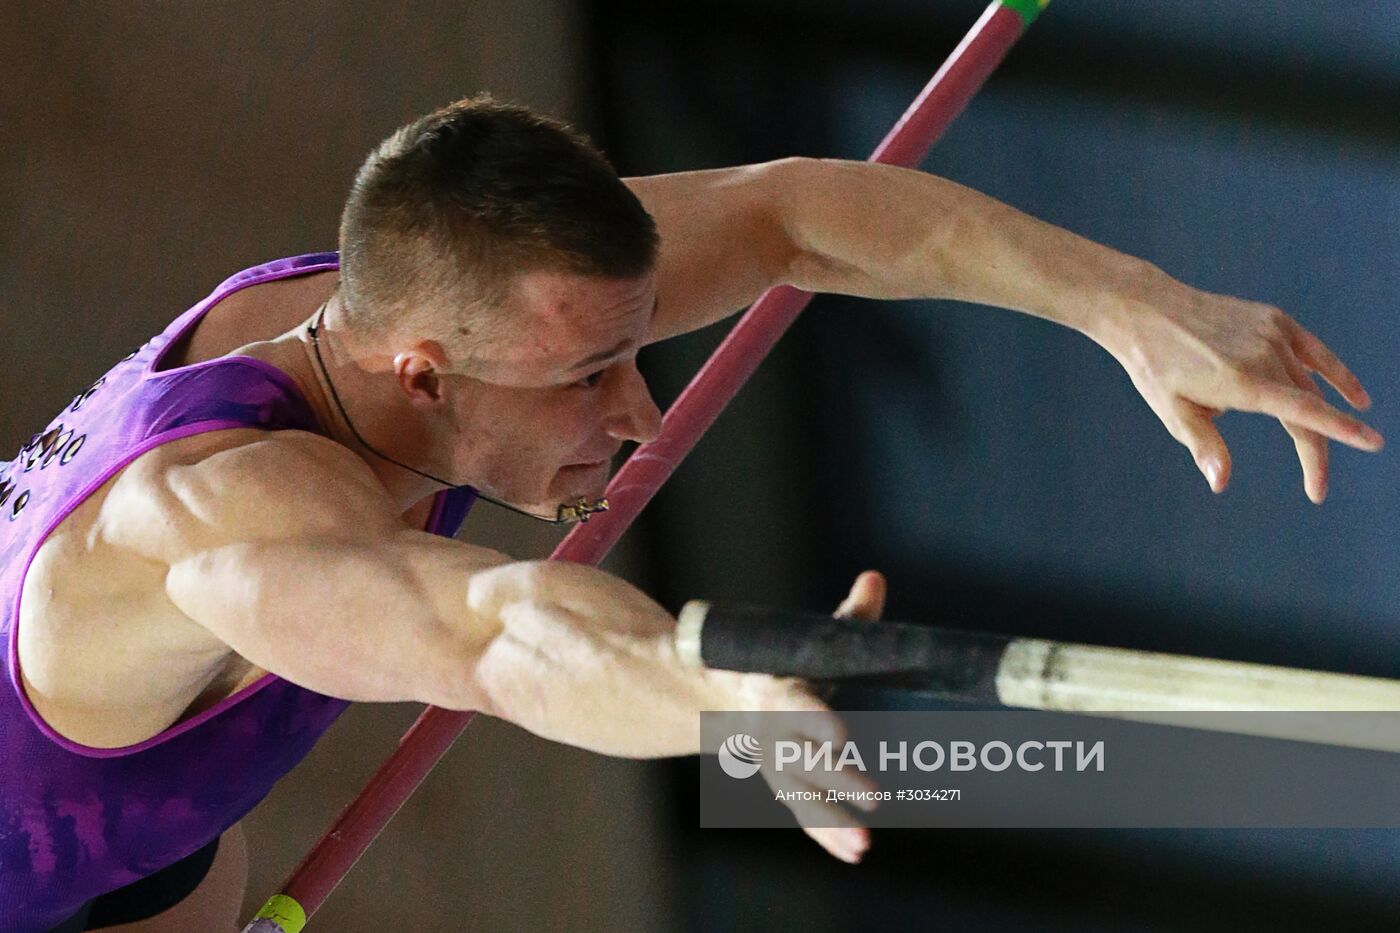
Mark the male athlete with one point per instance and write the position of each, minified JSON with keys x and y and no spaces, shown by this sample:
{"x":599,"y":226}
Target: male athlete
{"x":248,"y":522}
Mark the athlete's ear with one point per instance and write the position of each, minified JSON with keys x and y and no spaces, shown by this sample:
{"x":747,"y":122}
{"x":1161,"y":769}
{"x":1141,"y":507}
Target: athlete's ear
{"x":418,"y":369}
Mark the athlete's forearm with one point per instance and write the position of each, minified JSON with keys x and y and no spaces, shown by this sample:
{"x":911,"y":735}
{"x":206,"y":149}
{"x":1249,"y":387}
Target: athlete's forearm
{"x":885,"y":232}
{"x":585,"y":658}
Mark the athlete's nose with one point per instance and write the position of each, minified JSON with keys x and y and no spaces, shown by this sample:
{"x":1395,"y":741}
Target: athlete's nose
{"x":635,"y":416}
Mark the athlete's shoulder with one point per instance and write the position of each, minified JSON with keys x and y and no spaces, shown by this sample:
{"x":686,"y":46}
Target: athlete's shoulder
{"x":241,"y":486}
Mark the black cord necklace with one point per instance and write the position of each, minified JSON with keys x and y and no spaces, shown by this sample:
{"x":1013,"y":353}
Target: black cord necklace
{"x":569,"y":512}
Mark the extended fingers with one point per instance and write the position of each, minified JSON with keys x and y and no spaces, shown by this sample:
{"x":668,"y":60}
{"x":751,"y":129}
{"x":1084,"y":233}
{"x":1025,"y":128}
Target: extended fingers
{"x":1317,"y":356}
{"x":1192,"y":426}
{"x":849,"y":844}
{"x":1311,"y":446}
{"x":866,"y":599}
{"x":1307,"y":410}
{"x":1252,"y":357}
{"x":1312,"y":454}
{"x":826,"y":821}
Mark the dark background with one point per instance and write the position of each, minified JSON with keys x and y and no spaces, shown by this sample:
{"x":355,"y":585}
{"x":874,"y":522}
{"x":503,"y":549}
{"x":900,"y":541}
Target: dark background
{"x":1001,"y":470}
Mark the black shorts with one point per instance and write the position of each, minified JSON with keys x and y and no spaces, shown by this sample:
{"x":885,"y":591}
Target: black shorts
{"x":145,"y":898}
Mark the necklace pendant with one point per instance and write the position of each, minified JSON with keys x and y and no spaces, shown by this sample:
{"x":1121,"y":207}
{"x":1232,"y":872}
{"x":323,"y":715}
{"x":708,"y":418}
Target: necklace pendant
{"x":580,"y":509}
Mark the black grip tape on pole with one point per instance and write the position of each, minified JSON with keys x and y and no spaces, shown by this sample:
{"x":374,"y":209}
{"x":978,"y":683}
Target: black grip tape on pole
{"x":947,"y":662}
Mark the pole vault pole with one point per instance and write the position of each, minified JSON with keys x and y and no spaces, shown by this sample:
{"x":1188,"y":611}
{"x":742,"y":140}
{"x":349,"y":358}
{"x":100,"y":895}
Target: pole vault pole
{"x":717,"y":382}
{"x":1033,"y":673}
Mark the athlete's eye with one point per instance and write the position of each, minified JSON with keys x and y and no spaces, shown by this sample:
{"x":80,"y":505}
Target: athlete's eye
{"x":591,"y":380}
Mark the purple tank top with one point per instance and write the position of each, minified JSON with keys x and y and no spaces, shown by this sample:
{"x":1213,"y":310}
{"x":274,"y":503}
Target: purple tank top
{"x":76,"y":822}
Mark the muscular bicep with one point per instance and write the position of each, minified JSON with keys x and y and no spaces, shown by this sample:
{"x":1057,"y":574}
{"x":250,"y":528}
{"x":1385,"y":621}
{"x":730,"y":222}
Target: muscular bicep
{"x":287,"y":549}
{"x":384,"y":620}
{"x":722,"y":241}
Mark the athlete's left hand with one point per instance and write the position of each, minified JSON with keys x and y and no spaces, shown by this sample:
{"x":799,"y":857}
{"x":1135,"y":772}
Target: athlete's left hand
{"x":1194,"y":355}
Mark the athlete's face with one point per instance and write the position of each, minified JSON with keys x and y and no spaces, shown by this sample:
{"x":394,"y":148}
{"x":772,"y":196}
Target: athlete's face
{"x":550,"y":402}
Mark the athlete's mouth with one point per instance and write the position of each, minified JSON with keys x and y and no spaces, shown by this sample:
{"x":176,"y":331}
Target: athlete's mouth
{"x":591,"y":464}
{"x":588,"y":466}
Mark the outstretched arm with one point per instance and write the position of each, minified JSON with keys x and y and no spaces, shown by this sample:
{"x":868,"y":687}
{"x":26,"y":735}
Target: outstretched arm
{"x":884,"y":232}
{"x":287,"y":551}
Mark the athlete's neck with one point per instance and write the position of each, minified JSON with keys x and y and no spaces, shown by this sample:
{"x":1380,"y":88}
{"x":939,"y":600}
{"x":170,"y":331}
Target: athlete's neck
{"x":337,"y":372}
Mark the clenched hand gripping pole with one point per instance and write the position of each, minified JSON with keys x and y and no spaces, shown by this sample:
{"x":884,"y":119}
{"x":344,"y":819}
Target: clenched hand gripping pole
{"x":641,"y":476}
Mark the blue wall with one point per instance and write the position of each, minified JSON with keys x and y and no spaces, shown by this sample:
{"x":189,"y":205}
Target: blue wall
{"x":986,"y":444}
{"x":1020,"y":445}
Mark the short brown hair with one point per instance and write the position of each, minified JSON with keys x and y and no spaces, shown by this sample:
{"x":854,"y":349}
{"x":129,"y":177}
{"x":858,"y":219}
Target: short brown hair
{"x":449,"y":208}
